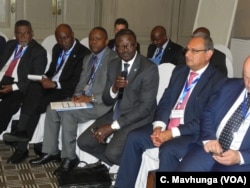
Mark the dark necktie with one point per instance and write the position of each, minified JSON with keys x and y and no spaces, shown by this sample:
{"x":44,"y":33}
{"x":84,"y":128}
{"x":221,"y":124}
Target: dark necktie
{"x":233,"y":124}
{"x":13,"y":63}
{"x":88,"y":91}
{"x":60,"y":64}
{"x":157,"y":55}
{"x":174,"y":122}
{"x":116,"y":114}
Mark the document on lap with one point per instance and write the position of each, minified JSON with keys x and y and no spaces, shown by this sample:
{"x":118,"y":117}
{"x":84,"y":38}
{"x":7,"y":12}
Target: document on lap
{"x":69,"y":105}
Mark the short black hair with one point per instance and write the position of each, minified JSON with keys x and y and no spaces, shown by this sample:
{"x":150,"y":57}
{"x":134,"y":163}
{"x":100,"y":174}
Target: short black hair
{"x":122,"y":21}
{"x":125,"y":32}
{"x":23,"y":23}
{"x":101,"y":29}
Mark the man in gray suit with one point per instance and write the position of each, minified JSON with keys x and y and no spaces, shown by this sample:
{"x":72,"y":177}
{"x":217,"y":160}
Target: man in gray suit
{"x":134,"y":96}
{"x":89,"y":89}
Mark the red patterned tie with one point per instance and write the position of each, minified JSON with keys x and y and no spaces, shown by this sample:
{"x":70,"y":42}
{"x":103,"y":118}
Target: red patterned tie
{"x":13,"y":62}
{"x":174,"y":122}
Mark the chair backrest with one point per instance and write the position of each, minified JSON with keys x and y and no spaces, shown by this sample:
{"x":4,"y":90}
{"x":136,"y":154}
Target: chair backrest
{"x":49,"y":42}
{"x":229,"y":58}
{"x":85,"y":41}
{"x":4,"y":36}
{"x":165,"y":72}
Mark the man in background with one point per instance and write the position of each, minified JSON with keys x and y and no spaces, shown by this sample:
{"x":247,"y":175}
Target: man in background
{"x":120,"y":23}
{"x":162,"y":49}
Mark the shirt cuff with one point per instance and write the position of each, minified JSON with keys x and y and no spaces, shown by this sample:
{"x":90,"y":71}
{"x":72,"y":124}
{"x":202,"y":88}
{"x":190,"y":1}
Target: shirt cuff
{"x":241,"y":159}
{"x":112,"y":94}
{"x":58,"y":85}
{"x":175,"y":132}
{"x":159,"y":124}
{"x":115,"y":125}
{"x":14,"y":87}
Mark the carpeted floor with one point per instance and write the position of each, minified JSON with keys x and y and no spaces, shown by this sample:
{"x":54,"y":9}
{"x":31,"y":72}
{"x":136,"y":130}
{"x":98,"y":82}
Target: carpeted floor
{"x":25,"y":175}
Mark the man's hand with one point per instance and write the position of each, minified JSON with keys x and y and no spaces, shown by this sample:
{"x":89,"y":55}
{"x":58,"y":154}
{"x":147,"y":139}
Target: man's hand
{"x":229,"y":157}
{"x":213,"y":147}
{"x":6,"y":89}
{"x":103,"y":132}
{"x":81,"y":98}
{"x":120,"y":82}
{"x":47,"y":83}
{"x":159,"y":137}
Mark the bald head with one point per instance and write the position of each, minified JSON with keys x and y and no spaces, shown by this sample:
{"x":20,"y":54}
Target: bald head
{"x":64,"y":36}
{"x":203,"y":30}
{"x":159,"y":36}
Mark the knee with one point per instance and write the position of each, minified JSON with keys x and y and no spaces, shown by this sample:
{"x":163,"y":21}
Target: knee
{"x":113,"y":156}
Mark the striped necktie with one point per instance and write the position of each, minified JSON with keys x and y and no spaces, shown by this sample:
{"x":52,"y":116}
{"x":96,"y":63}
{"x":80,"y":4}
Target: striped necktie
{"x":13,"y":63}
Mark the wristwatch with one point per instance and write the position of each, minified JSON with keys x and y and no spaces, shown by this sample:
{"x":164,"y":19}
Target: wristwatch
{"x":93,"y":99}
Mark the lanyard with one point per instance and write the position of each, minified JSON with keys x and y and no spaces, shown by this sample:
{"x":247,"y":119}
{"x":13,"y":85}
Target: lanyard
{"x":186,"y":89}
{"x":91,"y":79}
{"x":62,"y":56}
{"x":17,"y":54}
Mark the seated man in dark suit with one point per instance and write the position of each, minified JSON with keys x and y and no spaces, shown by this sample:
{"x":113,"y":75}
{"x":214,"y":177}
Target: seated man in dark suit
{"x":218,"y":58}
{"x":224,"y":142}
{"x":120,"y":23}
{"x":162,"y":49}
{"x":58,"y":83}
{"x":21,"y":56}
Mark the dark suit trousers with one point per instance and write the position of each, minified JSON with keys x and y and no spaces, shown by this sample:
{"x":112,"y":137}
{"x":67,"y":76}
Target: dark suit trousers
{"x":110,"y":153}
{"x":197,"y":160}
{"x":8,"y":107}
{"x":137,"y":142}
{"x":35,"y":103}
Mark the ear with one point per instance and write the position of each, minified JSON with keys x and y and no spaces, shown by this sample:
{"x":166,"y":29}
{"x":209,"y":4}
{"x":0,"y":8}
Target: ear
{"x":209,"y":54}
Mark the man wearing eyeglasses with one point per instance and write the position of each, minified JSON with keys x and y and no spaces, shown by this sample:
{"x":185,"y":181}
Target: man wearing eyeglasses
{"x":177,"y":118}
{"x":162,"y":49}
{"x":218,"y":58}
{"x":21,"y":56}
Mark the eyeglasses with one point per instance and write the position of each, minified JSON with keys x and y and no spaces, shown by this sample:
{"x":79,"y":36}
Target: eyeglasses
{"x":193,"y":51}
{"x":25,"y":34}
{"x":123,"y":47}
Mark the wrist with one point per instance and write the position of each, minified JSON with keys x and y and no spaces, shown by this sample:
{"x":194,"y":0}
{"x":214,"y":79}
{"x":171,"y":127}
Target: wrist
{"x":55,"y":85}
{"x":93,"y":100}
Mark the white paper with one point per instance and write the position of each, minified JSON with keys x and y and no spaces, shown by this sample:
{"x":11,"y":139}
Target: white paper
{"x":35,"y":77}
{"x":68,"y":105}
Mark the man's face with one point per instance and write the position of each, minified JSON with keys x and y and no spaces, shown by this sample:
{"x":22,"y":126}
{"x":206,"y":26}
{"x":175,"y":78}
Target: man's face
{"x":158,"y":39}
{"x":97,"y":41}
{"x":65,"y":38}
{"x":126,"y":47}
{"x":197,"y":56}
{"x":119,"y":27}
{"x":23,"y":35}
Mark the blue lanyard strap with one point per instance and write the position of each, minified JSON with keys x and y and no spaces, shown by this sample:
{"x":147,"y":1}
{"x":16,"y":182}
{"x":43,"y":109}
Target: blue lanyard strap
{"x":63,"y":56}
{"x":91,"y":79}
{"x":19,"y":54}
{"x":186,"y":89}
